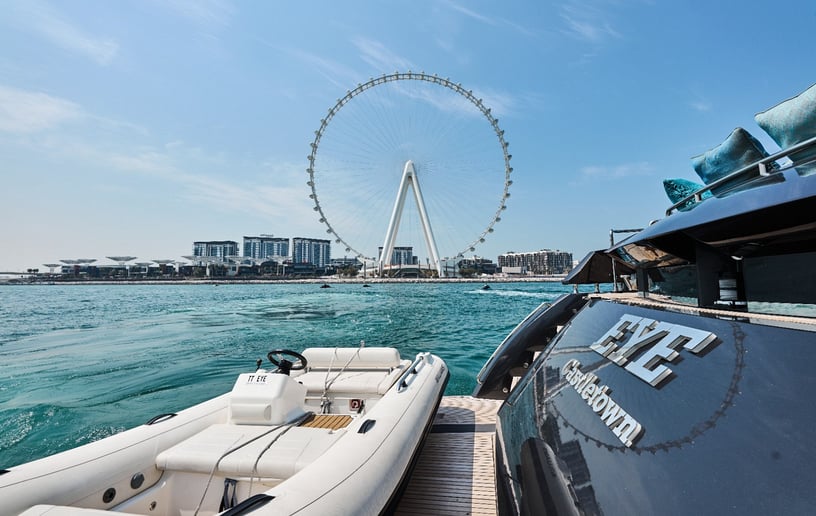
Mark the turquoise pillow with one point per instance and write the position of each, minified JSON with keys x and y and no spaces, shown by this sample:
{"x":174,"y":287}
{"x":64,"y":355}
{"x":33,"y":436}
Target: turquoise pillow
{"x":739,"y":150}
{"x":679,"y":189}
{"x":790,"y":122}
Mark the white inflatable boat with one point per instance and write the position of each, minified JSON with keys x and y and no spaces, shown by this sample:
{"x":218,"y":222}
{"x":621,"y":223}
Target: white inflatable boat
{"x":329,"y":431}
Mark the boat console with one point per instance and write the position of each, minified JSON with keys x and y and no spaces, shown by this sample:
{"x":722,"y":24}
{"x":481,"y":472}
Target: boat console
{"x":265,"y":398}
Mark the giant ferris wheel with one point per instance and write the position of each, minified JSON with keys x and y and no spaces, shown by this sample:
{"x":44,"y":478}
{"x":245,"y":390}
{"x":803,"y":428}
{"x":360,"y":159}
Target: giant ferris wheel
{"x":409,"y":161}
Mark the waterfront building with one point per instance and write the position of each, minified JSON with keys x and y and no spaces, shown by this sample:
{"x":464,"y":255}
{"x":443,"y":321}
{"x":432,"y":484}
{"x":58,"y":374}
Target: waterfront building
{"x":215,"y":249}
{"x":543,"y":262}
{"x":266,"y":247}
{"x":401,"y":256}
{"x":342,"y":263}
{"x":477,"y":265}
{"x":311,"y":250}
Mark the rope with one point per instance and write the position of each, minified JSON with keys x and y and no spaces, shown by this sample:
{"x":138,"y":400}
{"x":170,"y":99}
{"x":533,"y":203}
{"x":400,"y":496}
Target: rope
{"x":286,"y":427}
{"x":255,"y":473}
{"x":325,"y":403}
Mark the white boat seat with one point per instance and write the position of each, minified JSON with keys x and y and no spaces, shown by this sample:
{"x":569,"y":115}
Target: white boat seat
{"x":293,"y":451}
{"x":349,"y":383}
{"x":351,"y":371}
{"x":352,"y":358}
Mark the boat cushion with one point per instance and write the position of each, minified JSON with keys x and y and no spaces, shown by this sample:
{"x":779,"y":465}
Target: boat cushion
{"x":292,"y":451}
{"x":678,"y":189}
{"x":352,"y":358}
{"x":739,"y":150}
{"x":790,"y":122}
{"x":350,"y":382}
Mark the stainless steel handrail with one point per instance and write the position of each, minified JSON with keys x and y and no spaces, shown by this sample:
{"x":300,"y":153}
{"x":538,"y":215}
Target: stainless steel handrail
{"x":761,"y":166}
{"x":402,"y":383}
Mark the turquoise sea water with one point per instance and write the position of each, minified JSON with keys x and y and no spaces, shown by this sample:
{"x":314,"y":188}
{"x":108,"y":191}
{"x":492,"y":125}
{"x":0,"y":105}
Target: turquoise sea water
{"x":81,"y":362}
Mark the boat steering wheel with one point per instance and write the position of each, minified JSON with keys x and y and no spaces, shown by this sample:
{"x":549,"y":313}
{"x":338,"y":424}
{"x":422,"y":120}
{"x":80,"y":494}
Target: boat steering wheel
{"x":285,"y":365}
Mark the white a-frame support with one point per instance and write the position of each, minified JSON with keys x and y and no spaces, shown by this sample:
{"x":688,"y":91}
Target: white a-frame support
{"x":409,"y":180}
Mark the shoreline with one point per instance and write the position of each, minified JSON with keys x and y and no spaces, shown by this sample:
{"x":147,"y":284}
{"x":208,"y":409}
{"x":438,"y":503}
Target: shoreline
{"x":231,"y":281}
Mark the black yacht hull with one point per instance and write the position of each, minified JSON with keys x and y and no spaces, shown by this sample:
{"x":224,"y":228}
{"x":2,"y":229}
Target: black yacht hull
{"x":639,"y":410}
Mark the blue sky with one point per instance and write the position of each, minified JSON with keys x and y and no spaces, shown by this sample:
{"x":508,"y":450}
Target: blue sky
{"x":137,"y":127}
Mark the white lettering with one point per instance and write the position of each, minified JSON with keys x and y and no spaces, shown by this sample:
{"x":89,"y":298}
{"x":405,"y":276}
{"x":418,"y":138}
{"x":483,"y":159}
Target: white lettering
{"x":588,"y":390}
{"x":628,"y":430}
{"x":646,"y":367}
{"x":611,"y":414}
{"x":606,"y":344}
{"x":650,"y":332}
{"x":600,"y":402}
{"x":624,"y":426}
{"x":630,"y":335}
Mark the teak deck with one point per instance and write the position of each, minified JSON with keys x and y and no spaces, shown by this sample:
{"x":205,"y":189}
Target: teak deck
{"x":454,"y":474}
{"x":330,"y":421}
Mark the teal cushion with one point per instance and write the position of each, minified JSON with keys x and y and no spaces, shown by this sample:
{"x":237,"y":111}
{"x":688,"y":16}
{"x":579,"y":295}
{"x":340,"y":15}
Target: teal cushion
{"x":791,"y":122}
{"x":739,"y":150}
{"x":678,"y":189}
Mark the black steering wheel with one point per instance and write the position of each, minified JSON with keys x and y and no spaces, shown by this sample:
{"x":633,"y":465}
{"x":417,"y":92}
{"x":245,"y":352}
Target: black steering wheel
{"x":285,"y":365}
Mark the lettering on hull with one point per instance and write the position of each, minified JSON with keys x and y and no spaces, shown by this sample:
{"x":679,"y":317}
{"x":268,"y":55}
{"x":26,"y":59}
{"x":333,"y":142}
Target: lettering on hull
{"x":587,"y":385}
{"x":642,"y":347}
{"x":659,"y":341}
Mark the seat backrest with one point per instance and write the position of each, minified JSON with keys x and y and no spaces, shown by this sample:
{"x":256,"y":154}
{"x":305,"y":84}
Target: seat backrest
{"x":356,"y":358}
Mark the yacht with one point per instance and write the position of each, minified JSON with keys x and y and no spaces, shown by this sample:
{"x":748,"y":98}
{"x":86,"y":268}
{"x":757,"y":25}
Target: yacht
{"x":686,"y":388}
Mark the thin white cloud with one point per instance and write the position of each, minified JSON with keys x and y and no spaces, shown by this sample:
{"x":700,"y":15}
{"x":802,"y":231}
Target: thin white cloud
{"x":339,"y":75}
{"x":494,"y":22}
{"x":41,"y":18}
{"x":500,"y":104}
{"x":381,"y":58}
{"x":23,"y":112}
{"x":616,"y":171}
{"x":196,"y":173}
{"x":587,"y":22}
{"x":290,"y":201}
{"x":700,"y":105}
{"x":204,"y":13}
{"x":471,"y":13}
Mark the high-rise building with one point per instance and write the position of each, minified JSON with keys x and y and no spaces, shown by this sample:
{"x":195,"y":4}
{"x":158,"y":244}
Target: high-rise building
{"x":266,"y":247}
{"x":545,"y":261}
{"x":217,"y":249}
{"x":311,"y":250}
{"x":401,"y":256}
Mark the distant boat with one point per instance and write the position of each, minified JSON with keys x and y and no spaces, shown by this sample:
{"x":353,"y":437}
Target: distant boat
{"x":325,"y":285}
{"x":486,"y":287}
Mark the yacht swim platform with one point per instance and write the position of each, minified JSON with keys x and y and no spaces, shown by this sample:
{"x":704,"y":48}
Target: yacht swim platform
{"x":454,"y":474}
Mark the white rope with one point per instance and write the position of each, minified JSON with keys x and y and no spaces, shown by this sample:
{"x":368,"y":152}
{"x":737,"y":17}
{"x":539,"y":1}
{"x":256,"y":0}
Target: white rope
{"x":325,"y":404}
{"x":236,"y":448}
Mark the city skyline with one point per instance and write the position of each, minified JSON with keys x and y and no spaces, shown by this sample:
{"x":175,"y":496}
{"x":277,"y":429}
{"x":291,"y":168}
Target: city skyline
{"x":139,"y":126}
{"x":126,"y":259}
